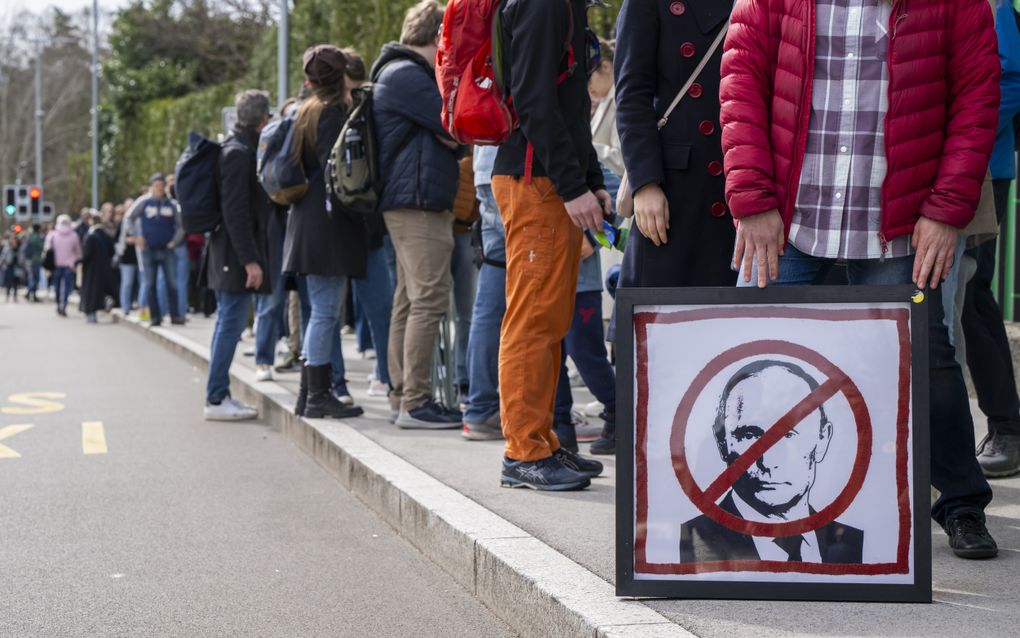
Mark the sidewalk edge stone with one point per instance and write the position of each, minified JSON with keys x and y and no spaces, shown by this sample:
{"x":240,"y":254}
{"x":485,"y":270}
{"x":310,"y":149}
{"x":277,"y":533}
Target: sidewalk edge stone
{"x":536,"y":590}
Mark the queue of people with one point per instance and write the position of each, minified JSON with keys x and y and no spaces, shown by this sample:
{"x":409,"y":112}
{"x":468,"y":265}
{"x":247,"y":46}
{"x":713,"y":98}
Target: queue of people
{"x":693,"y":123}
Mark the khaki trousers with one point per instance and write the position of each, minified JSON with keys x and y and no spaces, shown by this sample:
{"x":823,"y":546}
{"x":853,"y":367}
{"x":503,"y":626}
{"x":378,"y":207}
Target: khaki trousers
{"x":543,"y":257}
{"x":423,"y":242}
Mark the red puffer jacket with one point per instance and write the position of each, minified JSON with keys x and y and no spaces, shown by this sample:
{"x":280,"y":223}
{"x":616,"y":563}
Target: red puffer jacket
{"x":939,"y":129}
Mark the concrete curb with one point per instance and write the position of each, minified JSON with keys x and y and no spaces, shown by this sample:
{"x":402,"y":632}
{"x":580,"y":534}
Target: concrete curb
{"x":536,"y":590}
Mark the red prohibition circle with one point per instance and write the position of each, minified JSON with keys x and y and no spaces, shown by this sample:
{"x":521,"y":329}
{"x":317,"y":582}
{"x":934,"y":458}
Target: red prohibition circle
{"x":707,"y":505}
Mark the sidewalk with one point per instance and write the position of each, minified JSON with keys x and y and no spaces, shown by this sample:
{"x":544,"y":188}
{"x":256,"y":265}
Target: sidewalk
{"x":971,"y":597}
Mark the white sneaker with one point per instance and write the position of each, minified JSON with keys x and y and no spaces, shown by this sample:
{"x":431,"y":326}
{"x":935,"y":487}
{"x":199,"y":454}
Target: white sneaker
{"x":346,"y":399}
{"x":594,"y":408}
{"x":230,"y":410}
{"x":368,"y":355}
{"x":378,"y":389}
{"x":264,"y":374}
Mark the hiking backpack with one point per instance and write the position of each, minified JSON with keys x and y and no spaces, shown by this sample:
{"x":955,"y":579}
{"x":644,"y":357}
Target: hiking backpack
{"x":352,"y":173}
{"x":197,"y":185}
{"x":278,"y":166}
{"x":469,"y":71}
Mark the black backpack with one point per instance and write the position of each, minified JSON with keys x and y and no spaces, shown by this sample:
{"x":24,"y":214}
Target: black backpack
{"x":352,"y":173}
{"x":197,"y":185}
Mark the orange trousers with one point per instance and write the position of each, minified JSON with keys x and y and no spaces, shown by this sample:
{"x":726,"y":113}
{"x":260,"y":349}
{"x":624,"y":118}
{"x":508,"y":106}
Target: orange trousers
{"x":543,"y":253}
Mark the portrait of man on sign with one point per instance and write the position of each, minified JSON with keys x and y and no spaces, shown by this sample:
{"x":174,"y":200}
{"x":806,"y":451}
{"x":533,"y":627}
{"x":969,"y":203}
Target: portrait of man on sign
{"x":776,"y":488}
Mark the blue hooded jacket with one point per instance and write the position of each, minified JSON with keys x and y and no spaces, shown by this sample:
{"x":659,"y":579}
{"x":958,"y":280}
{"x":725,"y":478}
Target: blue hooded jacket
{"x":1003,"y":164}
{"x":417,"y":170}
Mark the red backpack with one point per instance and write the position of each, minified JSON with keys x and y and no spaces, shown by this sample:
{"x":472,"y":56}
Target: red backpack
{"x":469,"y":65}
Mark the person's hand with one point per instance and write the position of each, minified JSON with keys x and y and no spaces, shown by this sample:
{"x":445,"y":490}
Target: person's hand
{"x":586,"y":212}
{"x":606,"y":200}
{"x":254,"y":272}
{"x":760,"y":238}
{"x":140,"y":242}
{"x":651,"y":213}
{"x":170,"y":245}
{"x":935,"y":246}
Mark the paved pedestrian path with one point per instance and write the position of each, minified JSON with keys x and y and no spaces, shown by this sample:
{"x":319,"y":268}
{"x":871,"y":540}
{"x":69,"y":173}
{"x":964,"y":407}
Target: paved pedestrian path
{"x":971,"y":597}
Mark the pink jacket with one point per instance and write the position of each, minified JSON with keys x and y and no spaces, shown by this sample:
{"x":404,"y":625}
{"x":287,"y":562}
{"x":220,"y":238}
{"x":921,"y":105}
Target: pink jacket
{"x":65,"y":244}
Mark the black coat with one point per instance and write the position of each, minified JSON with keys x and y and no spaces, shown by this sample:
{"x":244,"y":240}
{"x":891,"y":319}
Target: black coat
{"x":97,"y":270}
{"x":317,"y":243}
{"x":241,"y":236}
{"x":659,"y":43}
{"x":554,"y":116}
{"x":702,"y":540}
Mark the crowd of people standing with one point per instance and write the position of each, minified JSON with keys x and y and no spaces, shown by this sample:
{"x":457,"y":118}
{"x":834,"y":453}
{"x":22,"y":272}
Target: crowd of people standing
{"x":691,"y":122}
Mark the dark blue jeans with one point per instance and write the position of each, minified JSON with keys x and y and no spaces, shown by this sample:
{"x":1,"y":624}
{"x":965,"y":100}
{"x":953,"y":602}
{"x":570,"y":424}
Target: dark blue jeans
{"x":586,"y":345}
{"x":63,"y":283}
{"x":165,"y":260}
{"x":955,"y":472}
{"x":231,"y":319}
{"x":373,"y":296}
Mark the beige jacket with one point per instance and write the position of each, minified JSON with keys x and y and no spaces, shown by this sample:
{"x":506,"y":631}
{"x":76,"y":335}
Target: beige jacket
{"x":604,"y":136}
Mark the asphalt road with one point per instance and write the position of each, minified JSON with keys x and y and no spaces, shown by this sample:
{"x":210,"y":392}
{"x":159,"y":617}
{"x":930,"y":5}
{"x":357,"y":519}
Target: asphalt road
{"x":123,"y":513}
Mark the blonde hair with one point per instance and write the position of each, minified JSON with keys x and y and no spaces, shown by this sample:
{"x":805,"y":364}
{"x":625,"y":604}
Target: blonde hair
{"x":421,"y":24}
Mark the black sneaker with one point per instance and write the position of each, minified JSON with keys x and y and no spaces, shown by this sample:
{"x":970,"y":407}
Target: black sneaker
{"x":969,"y":537}
{"x":547,"y":474}
{"x":430,"y":416}
{"x":567,"y":435}
{"x":606,"y":443}
{"x":999,"y":455}
{"x":589,"y":467}
{"x":178,"y":321}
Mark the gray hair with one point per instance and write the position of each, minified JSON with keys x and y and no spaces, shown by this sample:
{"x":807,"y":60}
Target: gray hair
{"x":252,"y":108}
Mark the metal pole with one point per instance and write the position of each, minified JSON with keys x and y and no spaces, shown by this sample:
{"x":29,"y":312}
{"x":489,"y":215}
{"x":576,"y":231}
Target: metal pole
{"x":38,"y":118}
{"x":283,"y":37}
{"x":95,"y":104}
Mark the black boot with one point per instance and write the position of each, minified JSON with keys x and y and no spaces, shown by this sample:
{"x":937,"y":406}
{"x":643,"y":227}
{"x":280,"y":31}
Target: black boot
{"x":606,"y":443}
{"x":302,"y":397}
{"x":321,"y":403}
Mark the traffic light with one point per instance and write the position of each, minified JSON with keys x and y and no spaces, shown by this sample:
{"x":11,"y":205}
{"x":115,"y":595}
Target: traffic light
{"x":10,"y":201}
{"x":18,"y":229}
{"x":35,"y":197}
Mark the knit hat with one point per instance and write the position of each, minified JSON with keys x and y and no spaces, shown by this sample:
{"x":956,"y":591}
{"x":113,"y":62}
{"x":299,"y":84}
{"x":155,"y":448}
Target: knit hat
{"x":157,"y":177}
{"x":324,"y":65}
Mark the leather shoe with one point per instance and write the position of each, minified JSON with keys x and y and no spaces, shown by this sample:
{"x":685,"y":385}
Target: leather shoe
{"x":969,"y":537}
{"x":999,"y":455}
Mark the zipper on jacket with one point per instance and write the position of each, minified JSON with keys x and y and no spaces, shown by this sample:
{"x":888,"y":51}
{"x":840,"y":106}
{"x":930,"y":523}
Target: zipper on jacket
{"x":899,"y":13}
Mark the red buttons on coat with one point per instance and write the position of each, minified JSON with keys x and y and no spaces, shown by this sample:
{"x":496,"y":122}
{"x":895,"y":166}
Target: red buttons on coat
{"x":715,"y":169}
{"x":688,"y":50}
{"x":718,"y":209}
{"x":706,"y":127}
{"x":695,"y":91}
{"x":677,"y":8}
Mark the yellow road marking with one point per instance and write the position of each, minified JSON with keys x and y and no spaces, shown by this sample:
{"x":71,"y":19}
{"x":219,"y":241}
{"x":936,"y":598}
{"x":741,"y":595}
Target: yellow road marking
{"x":8,"y":432}
{"x":93,"y":438}
{"x":35,"y":403}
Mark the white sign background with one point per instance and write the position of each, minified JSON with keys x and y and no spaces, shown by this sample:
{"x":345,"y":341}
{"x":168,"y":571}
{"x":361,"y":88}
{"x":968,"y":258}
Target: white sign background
{"x":867,"y":351}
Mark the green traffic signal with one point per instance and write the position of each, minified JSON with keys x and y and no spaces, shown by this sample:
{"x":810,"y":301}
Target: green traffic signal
{"x":10,"y":209}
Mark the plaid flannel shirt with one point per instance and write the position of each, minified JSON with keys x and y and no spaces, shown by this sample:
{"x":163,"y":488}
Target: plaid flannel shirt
{"x":838,"y":209}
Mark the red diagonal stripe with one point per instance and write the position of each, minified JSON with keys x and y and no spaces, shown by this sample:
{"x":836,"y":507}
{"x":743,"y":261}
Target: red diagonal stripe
{"x":789,"y":421}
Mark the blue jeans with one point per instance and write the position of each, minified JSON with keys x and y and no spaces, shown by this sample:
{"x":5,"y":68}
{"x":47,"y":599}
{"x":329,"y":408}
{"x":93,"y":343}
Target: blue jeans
{"x":374,"y":298}
{"x":156,"y":259}
{"x":465,"y":283}
{"x":955,"y":472}
{"x":586,"y":345}
{"x":63,"y":279}
{"x":181,"y":269}
{"x":269,"y":319}
{"x":231,"y":319}
{"x":322,"y":336}
{"x":128,"y":274}
{"x":33,"y":270}
{"x":487,"y":316}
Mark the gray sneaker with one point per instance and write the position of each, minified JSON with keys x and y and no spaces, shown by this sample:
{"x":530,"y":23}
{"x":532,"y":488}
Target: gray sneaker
{"x":489,"y":429}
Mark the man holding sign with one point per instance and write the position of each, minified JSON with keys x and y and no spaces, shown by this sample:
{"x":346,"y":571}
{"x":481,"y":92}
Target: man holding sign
{"x":868,"y":144}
